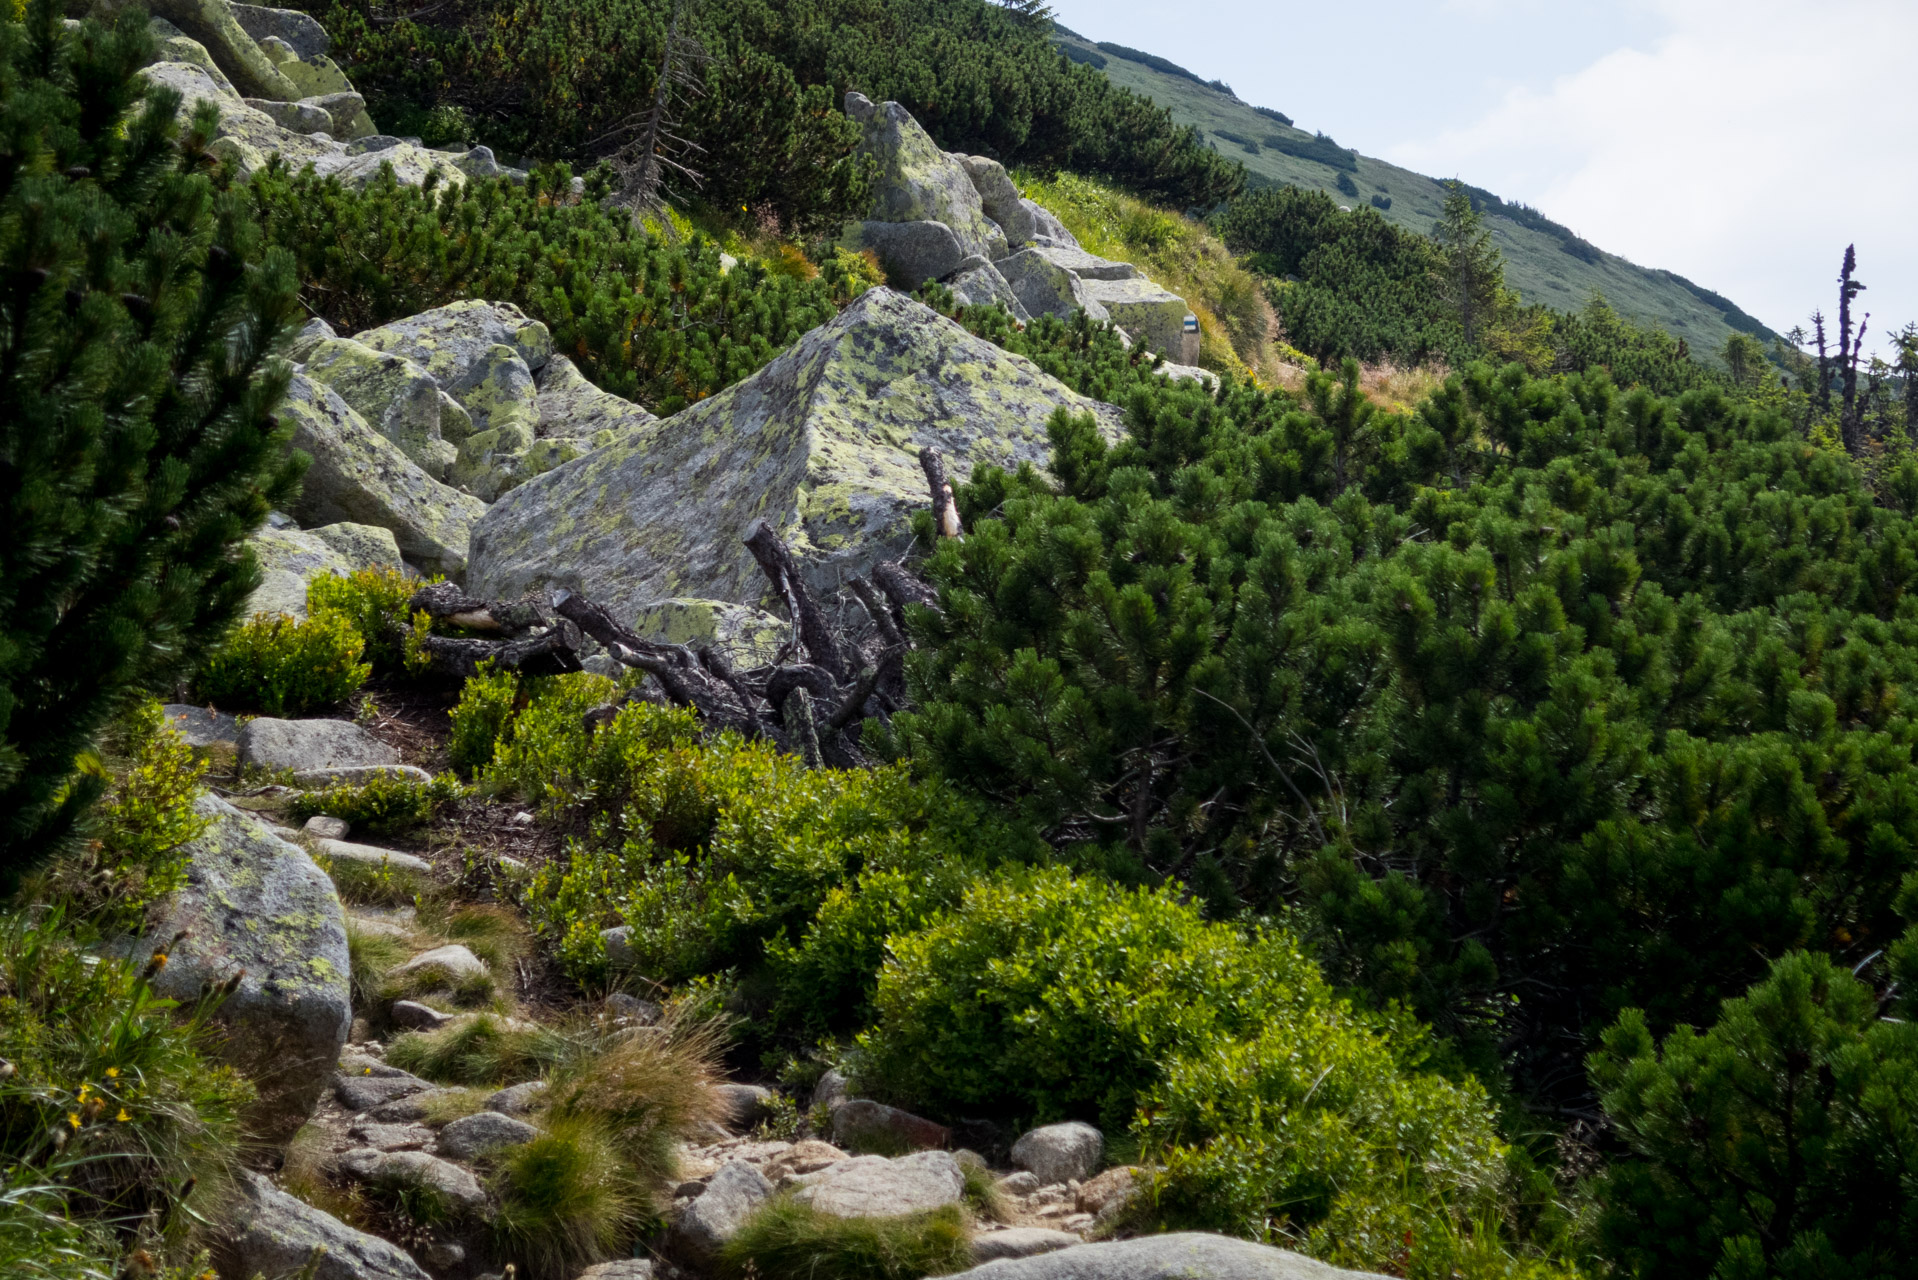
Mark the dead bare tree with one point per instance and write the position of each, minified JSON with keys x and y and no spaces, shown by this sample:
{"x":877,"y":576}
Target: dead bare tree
{"x":648,"y":149}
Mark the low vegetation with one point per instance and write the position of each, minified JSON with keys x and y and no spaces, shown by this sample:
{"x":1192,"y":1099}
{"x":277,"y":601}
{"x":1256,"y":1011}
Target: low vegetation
{"x":787,"y":1240}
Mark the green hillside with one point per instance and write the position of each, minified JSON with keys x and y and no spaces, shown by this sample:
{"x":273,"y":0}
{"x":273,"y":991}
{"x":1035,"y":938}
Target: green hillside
{"x":1544,"y":262}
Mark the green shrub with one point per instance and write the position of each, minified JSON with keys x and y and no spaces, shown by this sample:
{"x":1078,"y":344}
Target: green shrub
{"x":108,"y":1102}
{"x":481,"y":1049}
{"x":375,"y":601}
{"x":711,"y":851}
{"x":481,"y":719}
{"x":282,"y":667}
{"x":1770,"y":1145}
{"x":384,"y":805}
{"x":786,"y":1240}
{"x":1270,"y":1105}
{"x":566,"y":1200}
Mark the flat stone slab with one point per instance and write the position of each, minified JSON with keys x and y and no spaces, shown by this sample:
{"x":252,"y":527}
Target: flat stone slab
{"x":1182,"y":1256}
{"x":415,"y":1169}
{"x":362,"y":1093}
{"x":875,"y":1187}
{"x":372,"y":856}
{"x":453,"y":959}
{"x":271,"y":1233}
{"x":391,"y":1137}
{"x":1020,"y":1242}
{"x":304,"y":745}
{"x":201,"y":726}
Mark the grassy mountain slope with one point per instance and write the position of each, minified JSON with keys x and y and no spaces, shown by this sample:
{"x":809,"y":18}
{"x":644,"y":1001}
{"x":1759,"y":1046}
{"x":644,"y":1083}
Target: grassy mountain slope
{"x":1547,"y":267}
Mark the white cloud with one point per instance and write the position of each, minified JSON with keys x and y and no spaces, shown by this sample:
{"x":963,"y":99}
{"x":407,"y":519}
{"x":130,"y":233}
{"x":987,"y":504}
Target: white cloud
{"x":1744,"y":149}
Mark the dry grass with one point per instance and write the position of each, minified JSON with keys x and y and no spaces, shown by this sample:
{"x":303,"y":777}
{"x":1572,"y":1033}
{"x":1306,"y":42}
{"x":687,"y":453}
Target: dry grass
{"x":1395,"y":389}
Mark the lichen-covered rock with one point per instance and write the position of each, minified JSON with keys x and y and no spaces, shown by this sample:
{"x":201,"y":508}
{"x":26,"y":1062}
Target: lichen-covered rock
{"x":916,"y":181}
{"x":358,"y":475}
{"x":171,"y":44}
{"x":1183,"y":1256}
{"x":289,"y":559}
{"x":363,"y":1092}
{"x":253,"y":902}
{"x":397,"y":397}
{"x":213,"y":24}
{"x":983,"y":286}
{"x":1087,"y":266}
{"x":371,"y":856}
{"x":875,"y":1187}
{"x":1046,"y":226}
{"x":300,"y":117}
{"x":1044,"y":287}
{"x":301,"y":745}
{"x":746,"y":636}
{"x":822,"y":443}
{"x":1000,"y":198}
{"x":571,"y":408}
{"x":501,"y":398}
{"x":270,"y":1233}
{"x":302,"y":32}
{"x":911,"y":252}
{"x":1153,"y":315}
{"x":453,"y":961}
{"x":455,"y":342}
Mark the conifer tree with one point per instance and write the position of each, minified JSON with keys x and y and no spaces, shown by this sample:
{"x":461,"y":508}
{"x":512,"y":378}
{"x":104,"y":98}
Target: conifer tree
{"x":1471,"y":270}
{"x":138,"y":445}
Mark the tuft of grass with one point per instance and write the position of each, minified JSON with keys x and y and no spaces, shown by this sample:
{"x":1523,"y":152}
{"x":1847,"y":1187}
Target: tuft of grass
{"x":787,"y":1240}
{"x":472,"y":991}
{"x":650,"y":1087}
{"x":363,"y":884}
{"x":383,"y":805}
{"x":482,"y":1049}
{"x":492,"y":933}
{"x":566,"y":1200}
{"x":982,"y":1192}
{"x":373,"y":956}
{"x":303,"y":1175}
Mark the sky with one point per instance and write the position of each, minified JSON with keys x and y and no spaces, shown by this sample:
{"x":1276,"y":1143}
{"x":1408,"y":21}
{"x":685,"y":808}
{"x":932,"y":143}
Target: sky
{"x":1740,"y":143}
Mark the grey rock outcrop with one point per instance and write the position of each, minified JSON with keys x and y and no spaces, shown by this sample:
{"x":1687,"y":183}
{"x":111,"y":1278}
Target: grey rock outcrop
{"x":471,"y":1136}
{"x":1044,"y":288}
{"x":911,"y":252}
{"x":1154,"y":316}
{"x":201,"y":726}
{"x":1182,"y":1256}
{"x":744,"y":635}
{"x":572,"y":409}
{"x":1068,"y":1152}
{"x":364,"y":1092}
{"x":302,"y":32}
{"x":984,"y":286}
{"x":371,"y":855}
{"x":272,"y":1234}
{"x":917,"y":182}
{"x":397,"y":397}
{"x":745,"y":1104}
{"x":730,"y":1197}
{"x":1046,"y":225}
{"x":862,"y":1124}
{"x":290,"y":559}
{"x":1000,"y":199}
{"x":254,"y":903}
{"x":822,"y":443}
{"x":418,"y":1171}
{"x":452,"y":960}
{"x":517,"y":1099}
{"x":360,"y":476}
{"x":302,"y":745}
{"x":875,"y":1187}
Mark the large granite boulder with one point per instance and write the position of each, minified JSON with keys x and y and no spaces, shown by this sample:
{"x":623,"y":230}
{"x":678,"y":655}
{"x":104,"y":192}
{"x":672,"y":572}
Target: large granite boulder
{"x":397,"y":397}
{"x":1000,"y":198}
{"x":257,"y":906}
{"x":730,"y":1197}
{"x":572,"y":409}
{"x":984,"y":286}
{"x":358,"y":475}
{"x":1046,"y":226}
{"x":213,"y":25}
{"x":269,"y":1233}
{"x":1153,"y":315}
{"x":822,"y":443}
{"x":1056,"y":1153}
{"x":1087,"y":266}
{"x":875,"y":1187}
{"x":455,"y":342}
{"x":917,"y":182}
{"x":1044,"y":288}
{"x":1187,"y":1255}
{"x":745,"y":636}
{"x":911,"y":252}
{"x":302,"y":32}
{"x":307,"y":746}
{"x":247,"y":137}
{"x":291,"y":558}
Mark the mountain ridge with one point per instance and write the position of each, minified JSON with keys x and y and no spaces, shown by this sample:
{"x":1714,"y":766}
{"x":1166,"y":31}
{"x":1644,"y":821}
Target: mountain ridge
{"x":1546,"y":261}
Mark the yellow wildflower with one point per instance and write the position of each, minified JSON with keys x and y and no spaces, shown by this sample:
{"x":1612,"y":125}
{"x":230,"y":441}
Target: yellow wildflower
{"x":123,"y":1117}
{"x":73,"y":1118}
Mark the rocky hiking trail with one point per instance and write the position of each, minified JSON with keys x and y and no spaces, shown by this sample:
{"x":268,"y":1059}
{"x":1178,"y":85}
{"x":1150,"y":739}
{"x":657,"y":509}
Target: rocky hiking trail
{"x":351,"y":1121}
